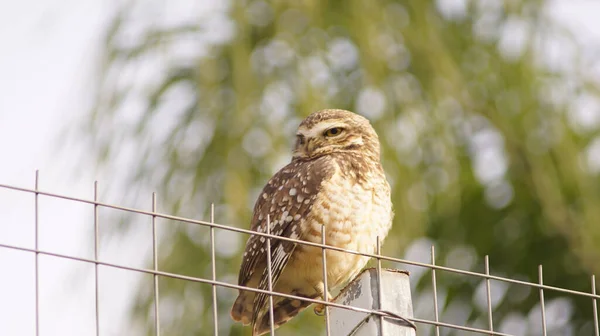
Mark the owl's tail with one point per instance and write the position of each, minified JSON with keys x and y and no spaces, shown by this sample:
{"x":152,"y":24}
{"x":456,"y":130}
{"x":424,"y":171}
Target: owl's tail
{"x":242,"y":307}
{"x":283,"y":310}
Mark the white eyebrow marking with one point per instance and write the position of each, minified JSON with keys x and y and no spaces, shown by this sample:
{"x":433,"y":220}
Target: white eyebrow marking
{"x":320,"y":128}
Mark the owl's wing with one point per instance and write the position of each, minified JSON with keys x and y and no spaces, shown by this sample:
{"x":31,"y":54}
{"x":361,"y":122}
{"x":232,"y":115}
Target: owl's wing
{"x":286,"y":200}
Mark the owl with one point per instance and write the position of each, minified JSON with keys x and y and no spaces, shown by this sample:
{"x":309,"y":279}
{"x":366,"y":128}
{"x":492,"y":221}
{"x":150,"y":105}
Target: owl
{"x":335,"y":180}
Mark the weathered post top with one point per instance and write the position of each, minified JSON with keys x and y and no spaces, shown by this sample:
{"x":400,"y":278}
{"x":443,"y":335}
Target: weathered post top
{"x":363,"y":292}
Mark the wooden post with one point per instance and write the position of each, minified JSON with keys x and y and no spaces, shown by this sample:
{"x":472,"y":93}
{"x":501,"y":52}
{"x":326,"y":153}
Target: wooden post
{"x":363,"y":292}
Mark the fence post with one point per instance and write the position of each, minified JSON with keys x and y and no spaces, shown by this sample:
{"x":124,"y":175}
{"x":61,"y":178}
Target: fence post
{"x":363,"y":292}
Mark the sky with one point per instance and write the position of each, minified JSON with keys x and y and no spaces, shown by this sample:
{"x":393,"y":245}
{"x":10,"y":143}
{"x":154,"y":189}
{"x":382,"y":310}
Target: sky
{"x":49,"y":54}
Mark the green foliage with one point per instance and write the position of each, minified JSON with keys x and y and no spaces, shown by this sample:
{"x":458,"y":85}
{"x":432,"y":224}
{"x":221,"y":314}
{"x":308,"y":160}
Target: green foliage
{"x":475,"y":132}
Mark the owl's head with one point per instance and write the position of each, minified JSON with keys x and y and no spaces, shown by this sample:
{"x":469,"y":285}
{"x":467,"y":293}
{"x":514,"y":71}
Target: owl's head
{"x":333,"y":131}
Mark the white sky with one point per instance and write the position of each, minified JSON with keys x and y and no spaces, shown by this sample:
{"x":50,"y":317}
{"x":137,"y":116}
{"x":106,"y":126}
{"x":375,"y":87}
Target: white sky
{"x":48,"y":49}
{"x":46,"y":67}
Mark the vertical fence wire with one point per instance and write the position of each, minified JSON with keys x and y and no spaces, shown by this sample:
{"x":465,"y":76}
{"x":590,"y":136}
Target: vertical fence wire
{"x":489,"y":293}
{"x":325,"y":289}
{"x":380,"y":286}
{"x":37,"y":256}
{"x":155,"y":264}
{"x":595,"y":307}
{"x":270,"y":278}
{"x":435,"y":298}
{"x":96,"y":257}
{"x":542,"y":305}
{"x":214,"y":271}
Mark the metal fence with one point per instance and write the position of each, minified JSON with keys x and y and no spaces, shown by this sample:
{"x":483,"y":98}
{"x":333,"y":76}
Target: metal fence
{"x":436,"y":323}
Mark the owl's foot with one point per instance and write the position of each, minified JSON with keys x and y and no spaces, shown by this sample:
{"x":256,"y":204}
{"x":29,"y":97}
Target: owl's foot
{"x":320,"y":308}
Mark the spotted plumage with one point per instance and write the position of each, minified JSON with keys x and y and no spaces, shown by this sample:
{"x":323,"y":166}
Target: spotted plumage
{"x":335,"y":180}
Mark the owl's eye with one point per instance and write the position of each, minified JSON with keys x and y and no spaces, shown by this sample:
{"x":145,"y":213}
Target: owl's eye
{"x":300,"y":139}
{"x":333,"y":131}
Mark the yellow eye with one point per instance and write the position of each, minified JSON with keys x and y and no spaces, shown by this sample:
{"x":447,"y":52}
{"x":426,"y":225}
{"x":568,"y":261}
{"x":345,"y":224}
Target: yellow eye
{"x":333,"y":131}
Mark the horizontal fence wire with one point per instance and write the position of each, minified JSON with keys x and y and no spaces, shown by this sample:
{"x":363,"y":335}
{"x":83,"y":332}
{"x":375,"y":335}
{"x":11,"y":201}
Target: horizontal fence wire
{"x":270,"y":292}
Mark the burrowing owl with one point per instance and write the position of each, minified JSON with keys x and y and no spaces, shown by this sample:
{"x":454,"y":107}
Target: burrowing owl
{"x":335,"y":179}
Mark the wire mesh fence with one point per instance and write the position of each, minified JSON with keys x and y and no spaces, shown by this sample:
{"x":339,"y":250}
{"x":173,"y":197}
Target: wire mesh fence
{"x":156,"y":273}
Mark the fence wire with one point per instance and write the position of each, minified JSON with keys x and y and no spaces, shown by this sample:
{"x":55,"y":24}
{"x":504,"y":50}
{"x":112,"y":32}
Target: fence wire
{"x":156,"y":273}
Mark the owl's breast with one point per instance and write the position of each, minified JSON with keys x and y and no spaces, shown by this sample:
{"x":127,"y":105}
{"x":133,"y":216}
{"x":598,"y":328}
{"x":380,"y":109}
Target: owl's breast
{"x":354,"y":215}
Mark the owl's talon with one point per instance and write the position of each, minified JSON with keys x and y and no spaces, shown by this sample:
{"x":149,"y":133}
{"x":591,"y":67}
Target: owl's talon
{"x":319,"y":309}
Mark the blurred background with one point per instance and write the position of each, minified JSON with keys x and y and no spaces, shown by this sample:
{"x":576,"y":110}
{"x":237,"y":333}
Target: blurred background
{"x":488,"y":112}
